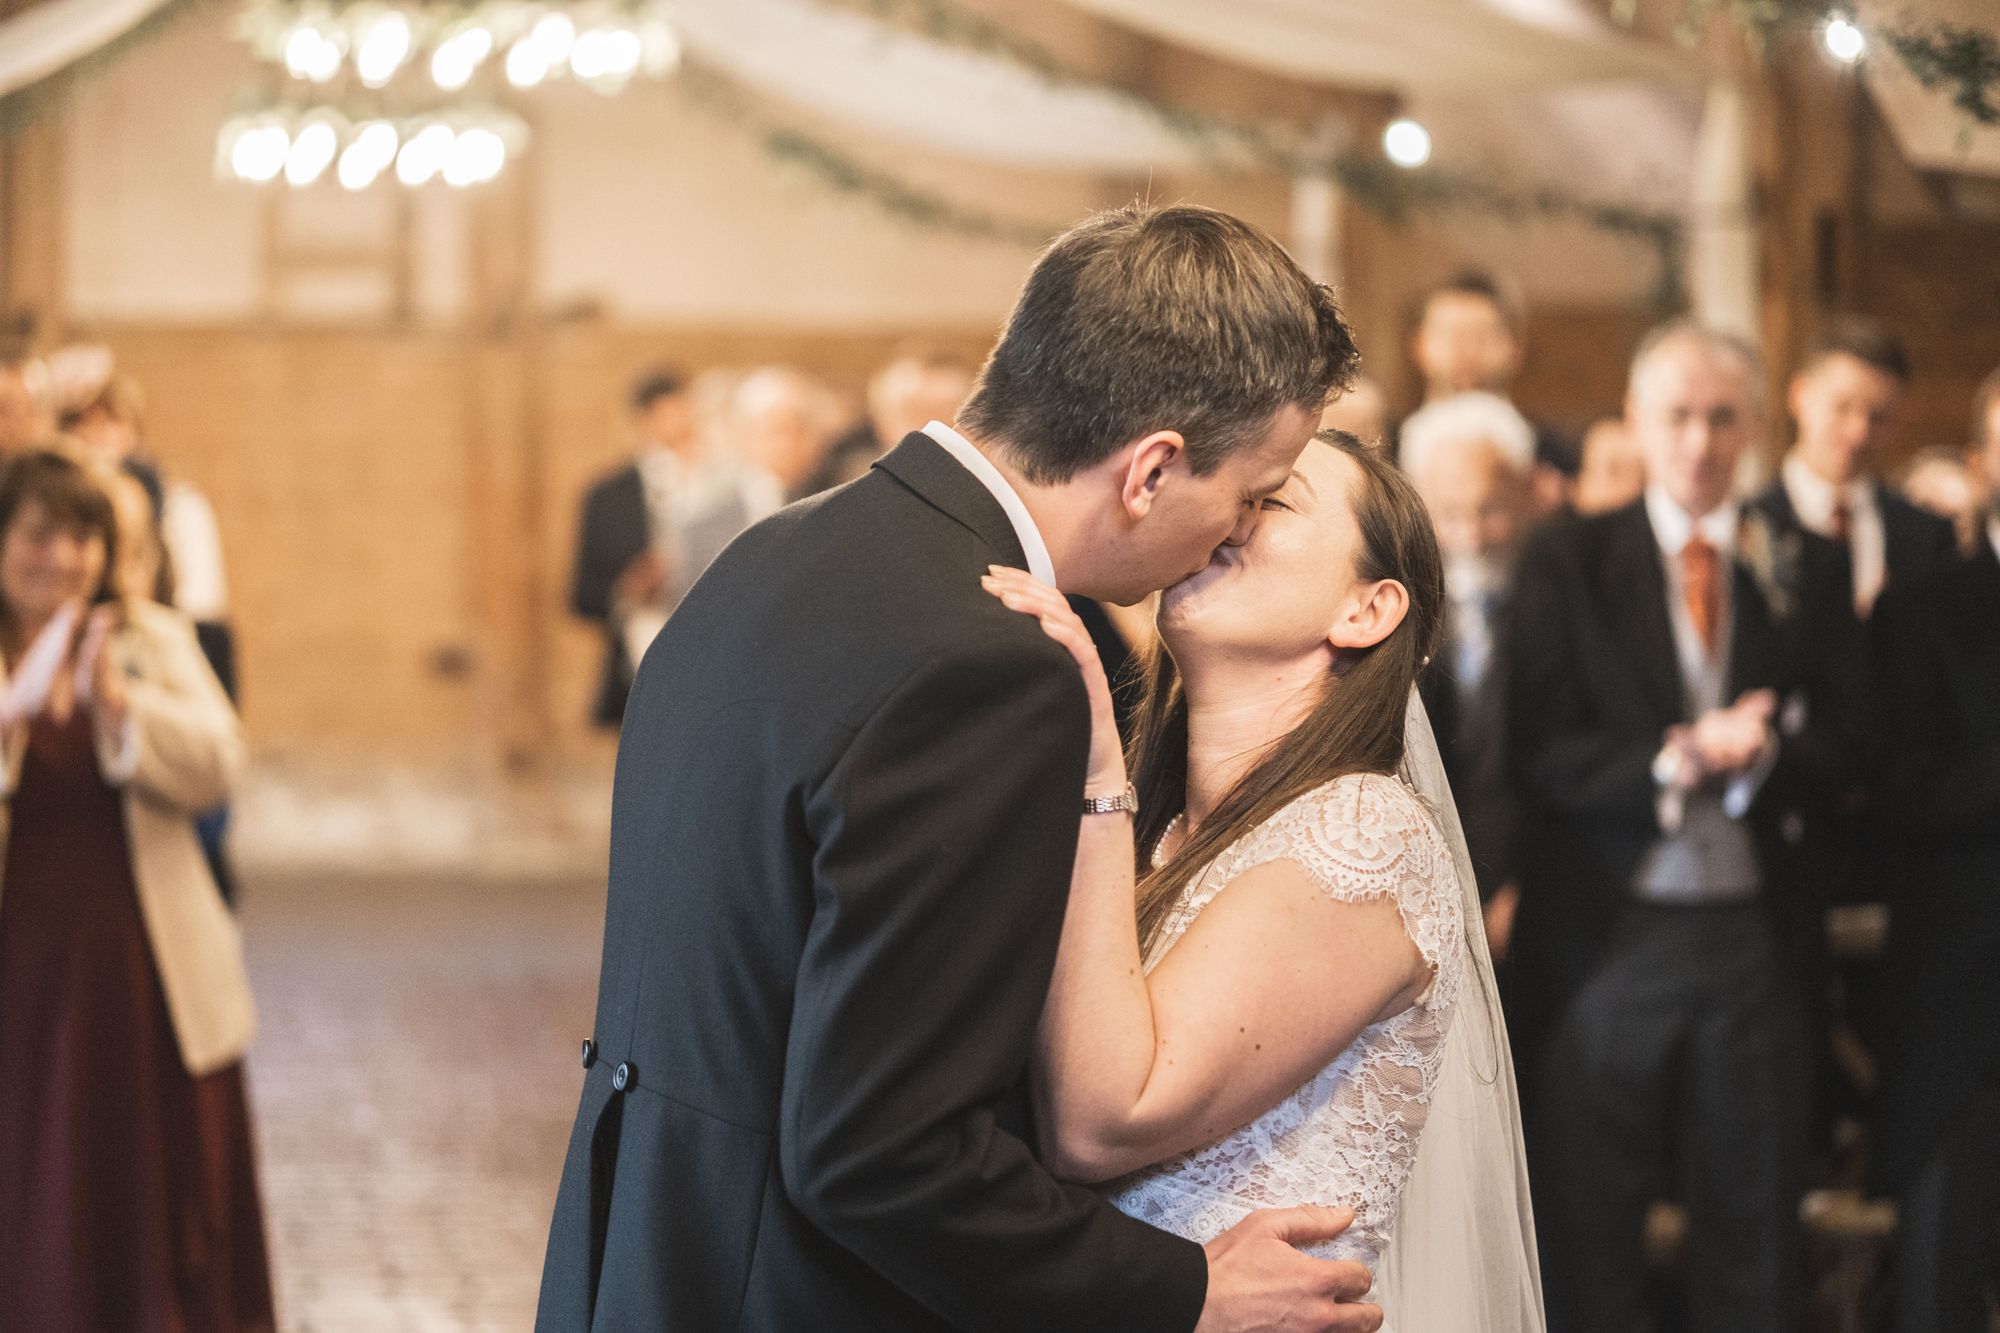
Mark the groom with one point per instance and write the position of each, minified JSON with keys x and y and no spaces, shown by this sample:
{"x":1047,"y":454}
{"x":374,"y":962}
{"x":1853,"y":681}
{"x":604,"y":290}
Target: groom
{"x":847,"y":801}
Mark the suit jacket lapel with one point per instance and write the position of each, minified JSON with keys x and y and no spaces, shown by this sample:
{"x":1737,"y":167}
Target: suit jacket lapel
{"x":1634,"y":589}
{"x":923,"y":465}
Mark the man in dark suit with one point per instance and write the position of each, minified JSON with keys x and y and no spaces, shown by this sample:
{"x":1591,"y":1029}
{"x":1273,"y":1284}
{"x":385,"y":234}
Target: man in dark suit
{"x":649,"y":528}
{"x":1935,"y":645}
{"x":1846,"y":398}
{"x":1660,"y":699}
{"x":847,"y":802}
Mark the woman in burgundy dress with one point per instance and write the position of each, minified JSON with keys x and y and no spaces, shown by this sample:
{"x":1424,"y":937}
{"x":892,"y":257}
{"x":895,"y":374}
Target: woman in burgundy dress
{"x":128,"y":1196}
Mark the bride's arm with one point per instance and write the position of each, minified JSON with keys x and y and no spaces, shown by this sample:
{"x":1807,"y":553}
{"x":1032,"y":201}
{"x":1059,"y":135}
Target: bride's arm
{"x":1273,"y":980}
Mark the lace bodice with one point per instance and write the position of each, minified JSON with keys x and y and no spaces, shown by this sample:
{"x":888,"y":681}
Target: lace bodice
{"x":1349,"y":1136}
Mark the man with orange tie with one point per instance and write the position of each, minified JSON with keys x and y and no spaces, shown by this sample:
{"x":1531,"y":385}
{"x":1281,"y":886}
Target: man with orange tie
{"x":1660,"y":707}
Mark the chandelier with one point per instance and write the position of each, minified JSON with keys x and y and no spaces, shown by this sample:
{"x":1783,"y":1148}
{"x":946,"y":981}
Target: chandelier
{"x":373,"y":89}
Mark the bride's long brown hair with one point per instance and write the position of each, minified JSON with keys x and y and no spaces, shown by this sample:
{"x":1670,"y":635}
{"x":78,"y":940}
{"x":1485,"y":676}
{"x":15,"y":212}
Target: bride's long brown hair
{"x":1357,"y":728}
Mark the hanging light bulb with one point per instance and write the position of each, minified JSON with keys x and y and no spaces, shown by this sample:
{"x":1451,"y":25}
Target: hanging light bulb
{"x":357,"y":170}
{"x":1407,"y":143}
{"x":553,"y":35}
{"x":378,"y":142}
{"x":476,"y":157}
{"x":312,"y":54}
{"x":458,"y":56}
{"x":311,"y":152}
{"x":423,"y":156}
{"x":260,"y":151}
{"x":527,"y":63}
{"x":1844,"y":41}
{"x":383,"y":49}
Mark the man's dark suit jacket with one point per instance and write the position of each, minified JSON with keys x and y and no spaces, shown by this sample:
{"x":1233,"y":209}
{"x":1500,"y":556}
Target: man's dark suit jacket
{"x":847,"y":802}
{"x":1471,"y":729}
{"x":1935,"y":645}
{"x":1842,"y":848}
{"x":1594,"y":683}
{"x":612,"y":532}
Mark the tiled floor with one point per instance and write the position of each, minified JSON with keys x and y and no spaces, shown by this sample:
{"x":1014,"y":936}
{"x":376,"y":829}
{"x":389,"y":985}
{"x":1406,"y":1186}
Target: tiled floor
{"x":414,"y":1079}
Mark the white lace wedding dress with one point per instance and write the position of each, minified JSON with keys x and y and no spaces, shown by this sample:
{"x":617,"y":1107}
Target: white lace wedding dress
{"x":1350,"y":1135}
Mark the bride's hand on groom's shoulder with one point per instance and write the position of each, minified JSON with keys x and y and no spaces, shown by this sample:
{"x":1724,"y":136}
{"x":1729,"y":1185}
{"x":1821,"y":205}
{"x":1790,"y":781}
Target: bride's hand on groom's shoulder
{"x":1260,"y":1282}
{"x":1020,"y":591}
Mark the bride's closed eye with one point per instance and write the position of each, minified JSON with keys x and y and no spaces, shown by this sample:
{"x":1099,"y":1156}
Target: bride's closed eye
{"x":1273,"y":502}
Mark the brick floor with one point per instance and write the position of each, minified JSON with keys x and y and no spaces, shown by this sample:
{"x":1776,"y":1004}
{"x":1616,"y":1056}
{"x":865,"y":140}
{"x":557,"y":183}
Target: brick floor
{"x":414,"y":1079}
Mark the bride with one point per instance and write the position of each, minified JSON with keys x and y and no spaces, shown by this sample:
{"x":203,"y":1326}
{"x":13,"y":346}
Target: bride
{"x":1291,"y":1001}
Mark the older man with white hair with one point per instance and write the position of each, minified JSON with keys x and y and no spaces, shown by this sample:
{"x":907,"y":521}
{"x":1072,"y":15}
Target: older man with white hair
{"x":1472,"y":457}
{"x":1666,"y":733}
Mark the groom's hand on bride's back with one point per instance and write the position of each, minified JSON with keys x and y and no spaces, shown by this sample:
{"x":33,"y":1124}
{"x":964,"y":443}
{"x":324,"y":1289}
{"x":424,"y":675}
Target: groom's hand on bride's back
{"x":1260,"y":1282}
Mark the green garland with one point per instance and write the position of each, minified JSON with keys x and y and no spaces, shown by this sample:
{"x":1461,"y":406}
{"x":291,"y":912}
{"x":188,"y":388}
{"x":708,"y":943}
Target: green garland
{"x":37,"y":101}
{"x":1964,"y":60}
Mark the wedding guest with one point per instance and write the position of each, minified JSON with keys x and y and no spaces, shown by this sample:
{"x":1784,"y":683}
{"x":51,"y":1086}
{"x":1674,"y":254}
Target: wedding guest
{"x":27,"y":415}
{"x":1662,"y":739}
{"x":108,"y":418}
{"x":1363,"y":412}
{"x":1846,"y":398}
{"x":1936,"y":657}
{"x":1611,"y":474}
{"x":1938,"y":481}
{"x":1472,"y":457}
{"x":128,"y":1192}
{"x":648,"y":529}
{"x":917,"y":386}
{"x":779,"y":422}
{"x":1470,"y":336}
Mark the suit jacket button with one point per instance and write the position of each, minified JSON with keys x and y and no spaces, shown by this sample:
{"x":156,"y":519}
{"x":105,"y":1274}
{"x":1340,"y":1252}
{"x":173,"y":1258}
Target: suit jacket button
{"x":589,"y":1052}
{"x":624,"y":1078}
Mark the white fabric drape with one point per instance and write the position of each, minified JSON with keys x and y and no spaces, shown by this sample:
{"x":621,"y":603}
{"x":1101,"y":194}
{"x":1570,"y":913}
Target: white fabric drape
{"x":872,"y":76}
{"x":40,"y":41}
{"x":1455,"y":44}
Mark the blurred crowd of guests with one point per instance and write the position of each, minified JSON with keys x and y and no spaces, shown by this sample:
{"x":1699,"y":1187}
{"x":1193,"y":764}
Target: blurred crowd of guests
{"x":1698,"y":709}
{"x":1691,"y":714}
{"x":128,"y":1188}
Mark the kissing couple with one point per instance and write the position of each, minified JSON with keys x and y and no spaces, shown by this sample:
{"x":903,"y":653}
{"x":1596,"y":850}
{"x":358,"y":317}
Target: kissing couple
{"x":924,"y":1006}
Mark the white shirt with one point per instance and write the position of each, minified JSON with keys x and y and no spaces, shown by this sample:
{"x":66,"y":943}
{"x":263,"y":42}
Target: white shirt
{"x":1032,"y":545}
{"x":1993,"y":534}
{"x":1815,"y":499}
{"x":188,"y":531}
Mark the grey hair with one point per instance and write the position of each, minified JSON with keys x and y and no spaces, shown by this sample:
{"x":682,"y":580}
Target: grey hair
{"x":1688,"y":331}
{"x":1465,"y":417}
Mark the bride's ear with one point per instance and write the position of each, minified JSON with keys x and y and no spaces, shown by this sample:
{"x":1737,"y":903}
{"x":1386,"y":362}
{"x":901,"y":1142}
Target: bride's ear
{"x":1371,"y":615}
{"x":1146,"y":468}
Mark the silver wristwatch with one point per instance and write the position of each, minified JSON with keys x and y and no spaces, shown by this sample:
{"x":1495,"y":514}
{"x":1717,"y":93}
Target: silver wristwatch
{"x":1125,"y":802}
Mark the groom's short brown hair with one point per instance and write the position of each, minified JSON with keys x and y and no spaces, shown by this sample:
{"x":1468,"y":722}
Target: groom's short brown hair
{"x":1142,"y":319}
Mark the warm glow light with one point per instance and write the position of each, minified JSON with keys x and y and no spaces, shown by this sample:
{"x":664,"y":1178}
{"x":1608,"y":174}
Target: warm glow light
{"x":553,"y":35}
{"x":590,"y":58}
{"x":358,"y":167}
{"x":377,"y":143}
{"x":527,"y":64}
{"x":1844,"y":41}
{"x":1407,"y":143}
{"x":622,"y":50}
{"x":259,"y":154}
{"x":383,"y":51}
{"x":311,"y":54}
{"x":663,"y":49}
{"x":311,"y":153}
{"x":424,"y":155}
{"x":476,"y":157}
{"x":455,"y":59}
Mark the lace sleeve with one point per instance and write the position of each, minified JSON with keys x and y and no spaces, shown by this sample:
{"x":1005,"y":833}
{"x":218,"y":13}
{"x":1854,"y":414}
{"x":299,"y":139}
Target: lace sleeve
{"x":1367,"y":836}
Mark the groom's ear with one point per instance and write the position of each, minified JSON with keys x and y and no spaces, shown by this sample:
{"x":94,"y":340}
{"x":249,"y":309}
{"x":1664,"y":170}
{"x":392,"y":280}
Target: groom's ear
{"x":1146,"y":468}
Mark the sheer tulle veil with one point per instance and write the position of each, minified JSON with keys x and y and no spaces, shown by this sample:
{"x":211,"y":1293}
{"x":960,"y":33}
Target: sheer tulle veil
{"x":1463,"y":1259}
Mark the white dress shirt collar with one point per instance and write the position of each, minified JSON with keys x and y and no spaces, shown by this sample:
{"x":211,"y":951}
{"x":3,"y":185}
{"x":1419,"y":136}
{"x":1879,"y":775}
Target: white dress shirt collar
{"x":1673,"y":525}
{"x":1815,"y":498}
{"x":1993,"y":533}
{"x":980,"y":466}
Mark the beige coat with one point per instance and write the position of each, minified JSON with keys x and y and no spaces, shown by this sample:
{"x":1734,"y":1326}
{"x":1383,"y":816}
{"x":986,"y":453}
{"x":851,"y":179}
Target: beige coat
{"x":188,"y":753}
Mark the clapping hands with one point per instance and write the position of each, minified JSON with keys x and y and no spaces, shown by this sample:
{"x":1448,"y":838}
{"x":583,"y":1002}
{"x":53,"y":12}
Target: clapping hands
{"x":1723,"y":741}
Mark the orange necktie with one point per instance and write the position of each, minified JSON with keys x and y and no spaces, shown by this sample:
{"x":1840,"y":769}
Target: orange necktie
{"x":1701,"y":588}
{"x":1843,"y":522}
